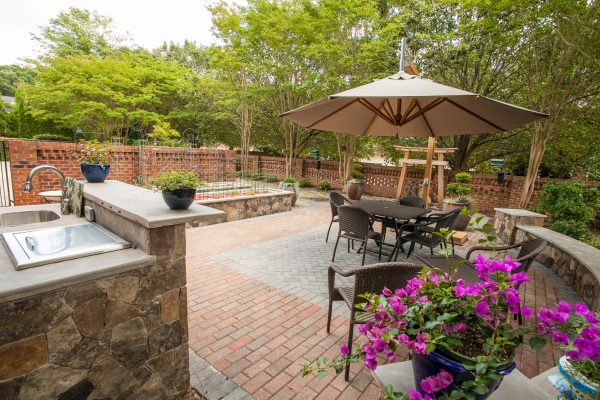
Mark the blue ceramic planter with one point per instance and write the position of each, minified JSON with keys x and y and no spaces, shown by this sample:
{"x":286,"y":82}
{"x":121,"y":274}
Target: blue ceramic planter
{"x":427,"y":365}
{"x":571,"y":384}
{"x":94,"y":172}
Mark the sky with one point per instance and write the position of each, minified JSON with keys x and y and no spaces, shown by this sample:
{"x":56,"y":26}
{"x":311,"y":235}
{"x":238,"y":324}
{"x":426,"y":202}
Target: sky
{"x":149,"y":23}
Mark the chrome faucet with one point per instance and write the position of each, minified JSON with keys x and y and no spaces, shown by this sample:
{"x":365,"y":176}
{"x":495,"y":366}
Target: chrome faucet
{"x":28,"y":185}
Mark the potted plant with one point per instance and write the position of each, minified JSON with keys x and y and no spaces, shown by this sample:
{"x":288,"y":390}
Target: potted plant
{"x":459,"y":334}
{"x":178,"y":188}
{"x":354,"y":188}
{"x":459,"y":192}
{"x":95,"y":160}
{"x":291,"y":185}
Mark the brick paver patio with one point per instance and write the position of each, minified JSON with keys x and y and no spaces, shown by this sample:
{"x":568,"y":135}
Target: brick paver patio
{"x":257,"y":300}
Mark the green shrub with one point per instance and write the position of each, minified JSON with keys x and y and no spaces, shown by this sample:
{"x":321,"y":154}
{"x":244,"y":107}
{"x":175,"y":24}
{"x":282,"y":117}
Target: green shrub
{"x":257,"y":176}
{"x":304,"y":182}
{"x":271,"y":178}
{"x":238,"y":174}
{"x":174,"y":180}
{"x":569,"y":202}
{"x":359,"y":167}
{"x":52,"y":137}
{"x":572,"y":228}
{"x":356,"y":176}
{"x":463,"y":191}
{"x":94,"y":152}
{"x":593,"y":240}
{"x":324,"y":185}
{"x":463,"y":177}
{"x":452,"y":188}
{"x":289,"y":180}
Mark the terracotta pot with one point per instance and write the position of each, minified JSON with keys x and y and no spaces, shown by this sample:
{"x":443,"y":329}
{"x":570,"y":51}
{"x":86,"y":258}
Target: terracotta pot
{"x":355,"y":191}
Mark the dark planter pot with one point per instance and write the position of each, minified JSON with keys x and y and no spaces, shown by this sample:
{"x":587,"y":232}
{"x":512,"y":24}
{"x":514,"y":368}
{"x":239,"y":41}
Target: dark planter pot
{"x":430,"y":364}
{"x":95,"y":173}
{"x":462,"y":221}
{"x":180,"y":199}
{"x":355,"y":191}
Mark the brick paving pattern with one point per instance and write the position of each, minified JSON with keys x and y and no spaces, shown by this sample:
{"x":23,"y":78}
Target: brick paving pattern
{"x":257,"y":299}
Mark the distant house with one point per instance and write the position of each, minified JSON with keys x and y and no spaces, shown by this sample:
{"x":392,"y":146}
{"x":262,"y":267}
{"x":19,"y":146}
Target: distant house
{"x":9,"y":102}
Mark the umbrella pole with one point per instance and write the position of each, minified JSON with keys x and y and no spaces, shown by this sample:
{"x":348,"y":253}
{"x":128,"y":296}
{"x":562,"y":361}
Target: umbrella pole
{"x":428,"y":170}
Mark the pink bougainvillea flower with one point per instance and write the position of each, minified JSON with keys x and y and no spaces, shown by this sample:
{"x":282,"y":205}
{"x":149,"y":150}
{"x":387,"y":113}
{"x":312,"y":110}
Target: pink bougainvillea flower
{"x":482,"y":308}
{"x":344,"y":350}
{"x":526,"y":312}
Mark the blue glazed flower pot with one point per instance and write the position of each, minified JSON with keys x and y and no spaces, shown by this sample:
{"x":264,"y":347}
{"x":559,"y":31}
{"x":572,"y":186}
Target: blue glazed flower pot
{"x":574,"y":385}
{"x":95,"y":173}
{"x":430,"y":364}
{"x":180,"y":199}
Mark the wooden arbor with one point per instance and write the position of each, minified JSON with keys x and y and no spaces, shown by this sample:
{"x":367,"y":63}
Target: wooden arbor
{"x":429,"y":162}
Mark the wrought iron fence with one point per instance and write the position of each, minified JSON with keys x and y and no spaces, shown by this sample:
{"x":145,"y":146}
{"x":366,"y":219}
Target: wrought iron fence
{"x":6,"y":193}
{"x":224,"y":179}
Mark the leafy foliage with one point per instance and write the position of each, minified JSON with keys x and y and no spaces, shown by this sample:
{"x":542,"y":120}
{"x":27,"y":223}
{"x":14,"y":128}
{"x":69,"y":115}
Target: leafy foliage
{"x":94,"y":152}
{"x":169,"y":181}
{"x":288,"y":180}
{"x":11,"y":76}
{"x":324,"y":185}
{"x":304,"y":182}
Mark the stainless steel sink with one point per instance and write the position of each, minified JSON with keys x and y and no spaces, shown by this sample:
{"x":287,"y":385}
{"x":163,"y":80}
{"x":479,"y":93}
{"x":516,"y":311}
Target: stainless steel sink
{"x":27,"y":217}
{"x":44,"y":246}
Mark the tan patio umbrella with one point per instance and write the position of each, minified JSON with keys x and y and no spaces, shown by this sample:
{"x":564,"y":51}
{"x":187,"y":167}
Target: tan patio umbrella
{"x":408,"y":105}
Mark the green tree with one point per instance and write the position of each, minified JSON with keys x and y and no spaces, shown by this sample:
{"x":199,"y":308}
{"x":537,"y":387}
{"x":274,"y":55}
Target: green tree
{"x":78,"y":32}
{"x":12,"y":75}
{"x":107,"y":95}
{"x":189,"y":55}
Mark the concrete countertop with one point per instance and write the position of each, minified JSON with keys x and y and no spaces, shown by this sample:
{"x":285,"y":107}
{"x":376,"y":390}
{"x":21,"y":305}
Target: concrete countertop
{"x":517,"y":212}
{"x":144,"y":206}
{"x":18,"y":284}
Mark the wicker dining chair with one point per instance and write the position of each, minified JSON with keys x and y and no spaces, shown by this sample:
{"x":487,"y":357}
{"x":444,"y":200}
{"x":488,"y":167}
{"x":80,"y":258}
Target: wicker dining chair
{"x":367,"y":279}
{"x":335,"y":200}
{"x":412,"y":201}
{"x":422,"y":232}
{"x":355,"y":225}
{"x":528,"y":250}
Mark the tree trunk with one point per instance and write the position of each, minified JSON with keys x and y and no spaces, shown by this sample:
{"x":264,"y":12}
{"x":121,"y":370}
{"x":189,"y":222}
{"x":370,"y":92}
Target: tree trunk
{"x":245,"y":130}
{"x":346,"y":144}
{"x":539,"y":140}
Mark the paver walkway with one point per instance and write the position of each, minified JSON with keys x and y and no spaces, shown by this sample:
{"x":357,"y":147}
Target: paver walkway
{"x":257,"y":299}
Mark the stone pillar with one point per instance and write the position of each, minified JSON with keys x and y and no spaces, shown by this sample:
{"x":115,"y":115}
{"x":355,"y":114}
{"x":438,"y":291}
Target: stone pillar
{"x":507,"y":219}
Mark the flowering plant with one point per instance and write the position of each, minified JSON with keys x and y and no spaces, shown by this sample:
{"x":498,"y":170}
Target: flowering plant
{"x":434,"y":311}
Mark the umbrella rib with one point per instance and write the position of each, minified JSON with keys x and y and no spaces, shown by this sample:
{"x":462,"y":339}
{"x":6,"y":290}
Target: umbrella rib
{"x":423,"y":110}
{"x":366,"y":132}
{"x":399,"y":110}
{"x":426,"y":122}
{"x":331,"y":113}
{"x":476,"y":115}
{"x":374,"y":109}
{"x":411,"y":107}
{"x":390,"y":109}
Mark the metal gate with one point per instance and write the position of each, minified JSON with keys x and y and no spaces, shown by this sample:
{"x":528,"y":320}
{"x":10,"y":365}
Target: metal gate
{"x":6,"y":193}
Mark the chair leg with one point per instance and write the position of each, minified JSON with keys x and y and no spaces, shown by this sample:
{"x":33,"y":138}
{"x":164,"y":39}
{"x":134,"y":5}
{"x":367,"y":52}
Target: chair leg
{"x":412,"y":247}
{"x":348,"y":245}
{"x":365,"y":252}
{"x":431,"y":249}
{"x":452,"y":241}
{"x":335,"y":248}
{"x":330,"y":224}
{"x":350,"y":335}
{"x":380,"y":247}
{"x":329,"y":314}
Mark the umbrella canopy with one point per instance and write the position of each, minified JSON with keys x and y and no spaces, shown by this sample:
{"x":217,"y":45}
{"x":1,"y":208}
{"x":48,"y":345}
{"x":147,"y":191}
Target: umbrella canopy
{"x":408,"y":105}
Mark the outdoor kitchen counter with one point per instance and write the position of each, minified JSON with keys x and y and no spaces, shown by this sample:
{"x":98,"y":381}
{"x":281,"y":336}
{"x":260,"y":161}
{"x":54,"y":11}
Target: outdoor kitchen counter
{"x":144,"y":206}
{"x":16,"y":284}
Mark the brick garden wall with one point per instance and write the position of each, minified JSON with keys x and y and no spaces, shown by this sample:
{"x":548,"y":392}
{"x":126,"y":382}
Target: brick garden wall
{"x":129,"y":165}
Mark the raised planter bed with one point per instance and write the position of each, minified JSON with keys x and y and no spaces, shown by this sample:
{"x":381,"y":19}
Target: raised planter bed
{"x":245,"y":204}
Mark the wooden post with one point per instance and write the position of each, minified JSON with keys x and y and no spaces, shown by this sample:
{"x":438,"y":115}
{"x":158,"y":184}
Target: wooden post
{"x":402,"y":175}
{"x":428,"y":170}
{"x":440,"y":179}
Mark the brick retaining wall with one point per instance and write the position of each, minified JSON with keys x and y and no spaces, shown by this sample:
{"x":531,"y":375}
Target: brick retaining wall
{"x":128,"y":165}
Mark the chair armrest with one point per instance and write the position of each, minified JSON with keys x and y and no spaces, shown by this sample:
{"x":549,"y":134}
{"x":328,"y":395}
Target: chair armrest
{"x":333,"y":269}
{"x":489,"y":248}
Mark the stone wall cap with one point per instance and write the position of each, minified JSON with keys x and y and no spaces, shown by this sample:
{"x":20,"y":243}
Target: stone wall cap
{"x":517,"y":212}
{"x":144,"y":206}
{"x":584,"y":253}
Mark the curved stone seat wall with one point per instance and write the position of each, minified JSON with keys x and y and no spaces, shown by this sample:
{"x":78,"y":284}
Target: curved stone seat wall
{"x":576,"y":263}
